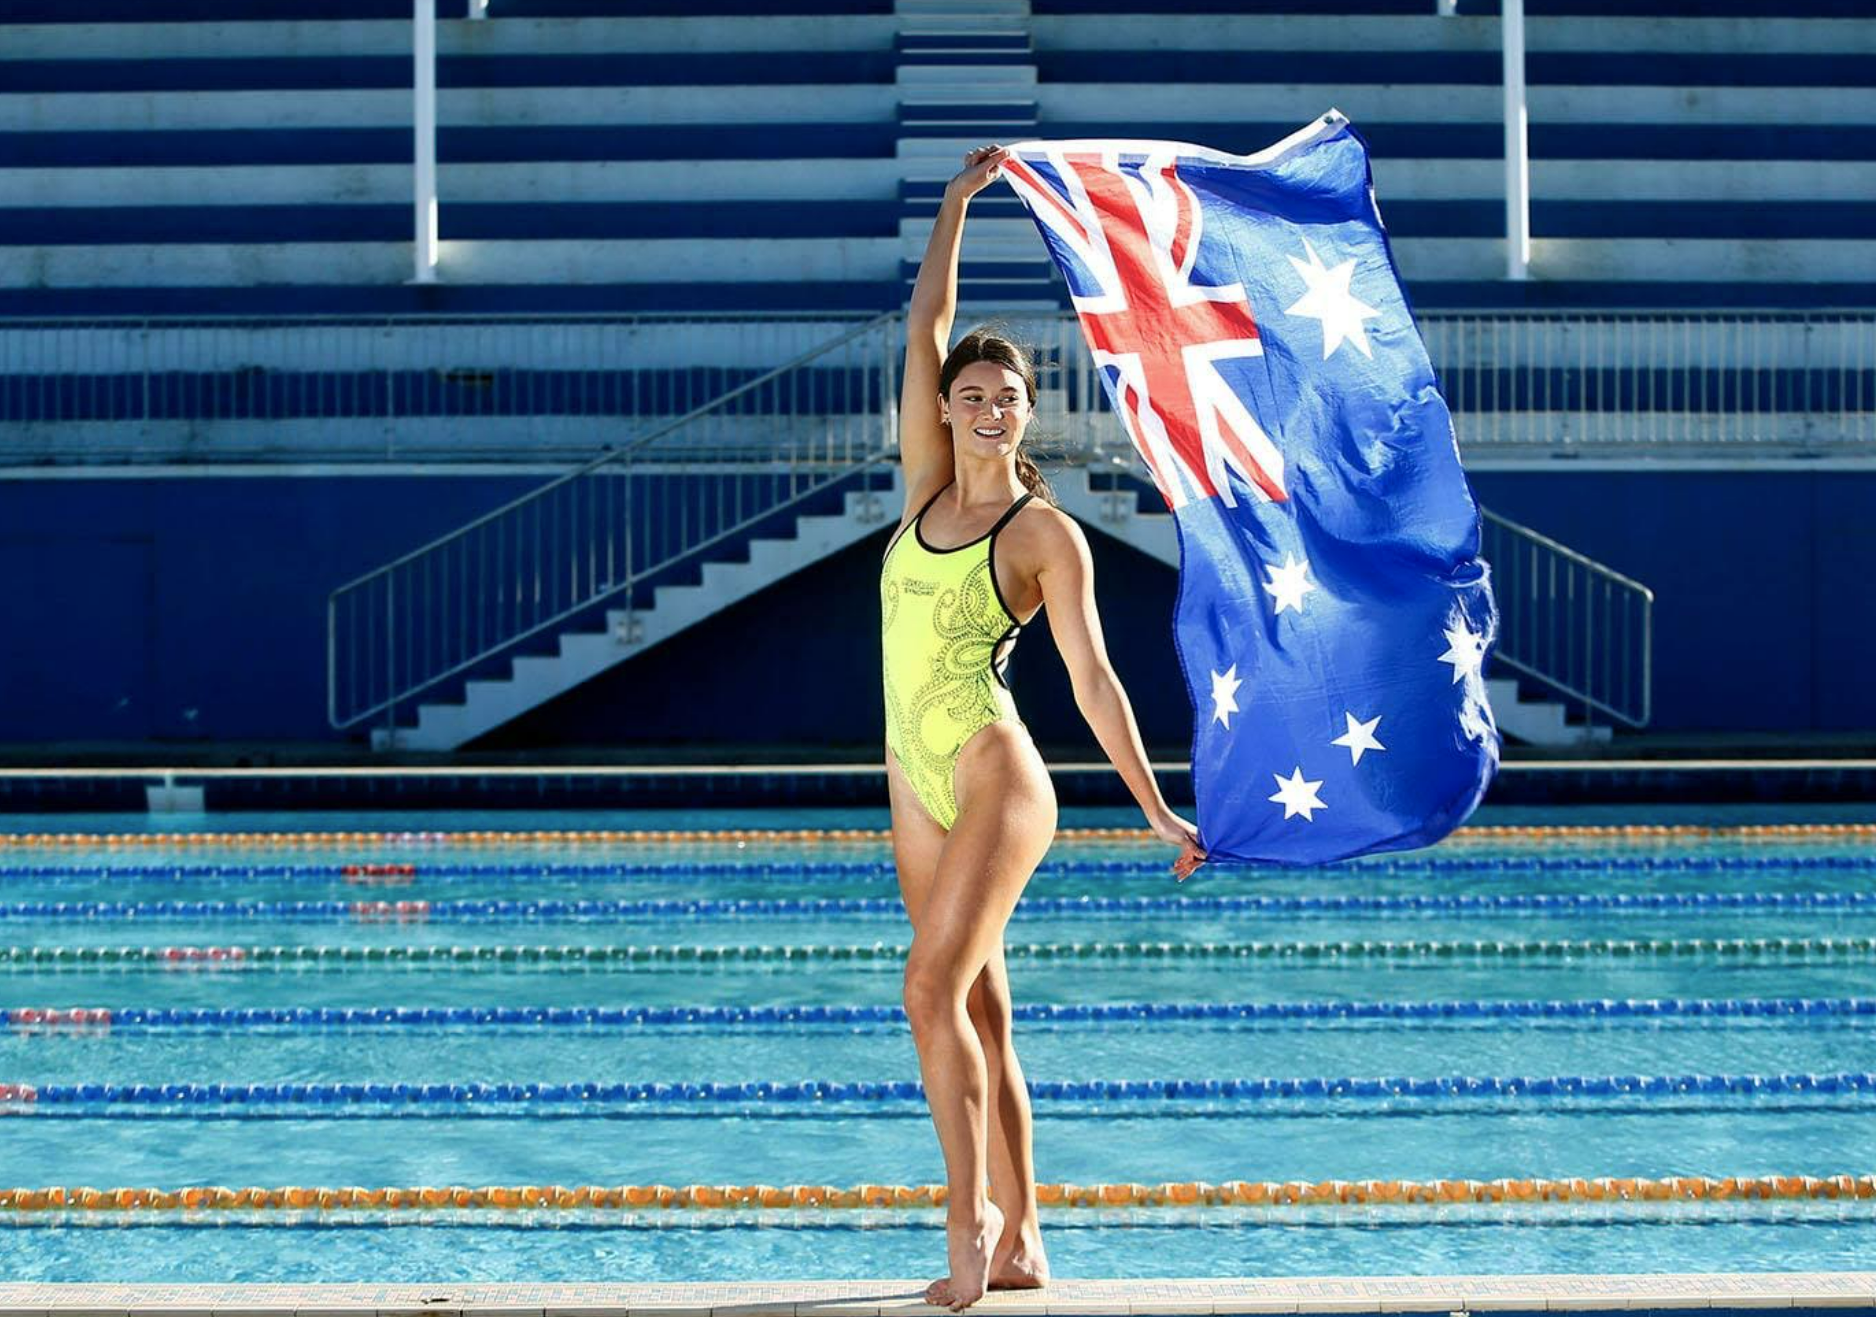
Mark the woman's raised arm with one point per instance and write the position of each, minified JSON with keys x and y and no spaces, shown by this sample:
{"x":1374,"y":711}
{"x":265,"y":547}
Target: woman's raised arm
{"x":924,"y":442}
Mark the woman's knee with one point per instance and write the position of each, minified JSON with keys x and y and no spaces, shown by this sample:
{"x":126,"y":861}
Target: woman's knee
{"x":989,"y":1005}
{"x":933,"y":991}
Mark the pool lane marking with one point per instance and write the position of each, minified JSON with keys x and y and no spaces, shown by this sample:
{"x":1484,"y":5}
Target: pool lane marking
{"x":696,"y":836}
{"x":1785,"y":950}
{"x":881,"y":870}
{"x":103,"y":1019}
{"x":707,"y":1197}
{"x":531,"y":1099}
{"x":664,"y":911}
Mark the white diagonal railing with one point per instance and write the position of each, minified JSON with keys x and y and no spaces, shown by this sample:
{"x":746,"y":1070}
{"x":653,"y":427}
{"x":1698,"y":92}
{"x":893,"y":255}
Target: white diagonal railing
{"x":1574,"y":625}
{"x":749,"y":456}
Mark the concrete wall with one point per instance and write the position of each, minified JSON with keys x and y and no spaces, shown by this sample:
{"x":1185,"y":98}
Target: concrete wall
{"x":179,"y":609}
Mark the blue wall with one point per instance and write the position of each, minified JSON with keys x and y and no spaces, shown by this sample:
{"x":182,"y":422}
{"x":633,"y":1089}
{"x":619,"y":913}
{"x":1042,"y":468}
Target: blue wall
{"x":176,"y":609}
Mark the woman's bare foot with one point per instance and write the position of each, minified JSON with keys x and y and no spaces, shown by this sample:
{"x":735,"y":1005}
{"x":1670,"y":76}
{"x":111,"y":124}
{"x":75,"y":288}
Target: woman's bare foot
{"x":1018,"y":1262}
{"x":969,"y":1245}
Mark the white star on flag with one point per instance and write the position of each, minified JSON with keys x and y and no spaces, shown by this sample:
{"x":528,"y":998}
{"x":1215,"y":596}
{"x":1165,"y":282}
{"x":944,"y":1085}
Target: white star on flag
{"x":1289,"y":583}
{"x":1297,"y":796}
{"x":1359,"y":738}
{"x":1224,"y":695}
{"x":1330,"y":301}
{"x":1464,"y":650}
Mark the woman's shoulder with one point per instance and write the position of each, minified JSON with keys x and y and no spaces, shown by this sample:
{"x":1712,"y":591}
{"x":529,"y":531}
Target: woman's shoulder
{"x":1043,"y":532}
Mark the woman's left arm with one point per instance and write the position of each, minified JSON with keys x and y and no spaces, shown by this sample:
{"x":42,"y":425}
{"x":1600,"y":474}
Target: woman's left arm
{"x":1067,"y":581}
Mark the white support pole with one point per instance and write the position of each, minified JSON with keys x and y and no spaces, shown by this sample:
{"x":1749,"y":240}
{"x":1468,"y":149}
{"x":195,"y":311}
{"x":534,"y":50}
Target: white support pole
{"x":478,"y":8}
{"x":1517,"y":148}
{"x":424,"y":83}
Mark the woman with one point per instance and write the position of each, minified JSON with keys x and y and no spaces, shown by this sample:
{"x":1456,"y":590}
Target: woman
{"x":976,"y":555}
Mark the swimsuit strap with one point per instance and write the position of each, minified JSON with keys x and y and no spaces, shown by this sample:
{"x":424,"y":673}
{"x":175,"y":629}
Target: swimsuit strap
{"x":912,"y":525}
{"x":1004,"y":520}
{"x":933,"y":499}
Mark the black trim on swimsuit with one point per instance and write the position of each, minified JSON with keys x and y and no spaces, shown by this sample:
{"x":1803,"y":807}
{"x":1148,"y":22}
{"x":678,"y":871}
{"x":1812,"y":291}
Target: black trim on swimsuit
{"x":916,"y":519}
{"x":1008,"y":637}
{"x":995,"y":588}
{"x":918,"y":527}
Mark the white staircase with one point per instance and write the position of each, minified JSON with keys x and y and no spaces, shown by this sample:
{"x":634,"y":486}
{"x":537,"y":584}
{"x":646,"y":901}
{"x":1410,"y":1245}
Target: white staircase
{"x":583,"y":655}
{"x":1533,"y":721}
{"x":967,"y":77}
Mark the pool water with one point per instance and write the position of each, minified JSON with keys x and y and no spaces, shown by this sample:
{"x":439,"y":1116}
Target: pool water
{"x":298,"y":1015}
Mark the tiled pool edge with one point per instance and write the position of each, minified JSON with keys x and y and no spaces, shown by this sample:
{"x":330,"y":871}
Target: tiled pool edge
{"x":1790,"y":1291}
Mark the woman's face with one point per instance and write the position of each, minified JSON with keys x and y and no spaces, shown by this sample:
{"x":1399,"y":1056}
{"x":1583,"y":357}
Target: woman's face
{"x":988,"y":410}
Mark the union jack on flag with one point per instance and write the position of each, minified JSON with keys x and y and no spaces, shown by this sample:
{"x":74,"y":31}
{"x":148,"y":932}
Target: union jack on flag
{"x":1334,"y":617}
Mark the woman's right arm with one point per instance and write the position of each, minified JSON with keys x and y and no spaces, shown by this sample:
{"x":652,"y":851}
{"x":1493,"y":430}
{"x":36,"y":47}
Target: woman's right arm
{"x":924,"y":442}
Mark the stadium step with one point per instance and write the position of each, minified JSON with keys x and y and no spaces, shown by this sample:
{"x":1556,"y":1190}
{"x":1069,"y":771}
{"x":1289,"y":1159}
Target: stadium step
{"x":967,"y":76}
{"x":534,"y":679}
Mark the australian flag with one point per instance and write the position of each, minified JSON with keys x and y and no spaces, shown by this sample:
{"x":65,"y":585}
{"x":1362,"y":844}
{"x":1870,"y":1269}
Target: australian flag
{"x":1334,"y":617}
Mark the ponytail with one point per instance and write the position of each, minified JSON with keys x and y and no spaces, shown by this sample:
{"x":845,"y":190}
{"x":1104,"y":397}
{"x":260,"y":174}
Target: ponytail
{"x":1033,"y":479}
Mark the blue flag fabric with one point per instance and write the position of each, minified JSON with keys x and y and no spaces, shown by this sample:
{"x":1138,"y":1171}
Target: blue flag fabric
{"x":1334,"y":617}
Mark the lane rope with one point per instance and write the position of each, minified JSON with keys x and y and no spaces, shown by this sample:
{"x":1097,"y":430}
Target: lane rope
{"x":406,"y":874}
{"x":1787,"y":950}
{"x":232,"y":1019}
{"x":527,"y":1098}
{"x":495,"y":910}
{"x":1186,"y":1193}
{"x":697,"y":836}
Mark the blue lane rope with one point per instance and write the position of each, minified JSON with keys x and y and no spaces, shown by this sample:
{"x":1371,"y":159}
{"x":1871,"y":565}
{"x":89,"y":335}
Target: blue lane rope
{"x":323,"y":1018}
{"x":464,"y":1099}
{"x":428,"y":870}
{"x":626,"y":957}
{"x":1562,"y":904}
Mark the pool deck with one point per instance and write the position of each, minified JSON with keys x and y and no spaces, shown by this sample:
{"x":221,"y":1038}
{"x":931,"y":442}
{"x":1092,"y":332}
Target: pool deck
{"x":900,"y":1298}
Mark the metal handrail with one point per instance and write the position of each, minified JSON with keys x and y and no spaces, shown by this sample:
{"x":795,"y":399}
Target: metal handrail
{"x":1576,"y":626}
{"x":1749,"y":384}
{"x":636,"y":442}
{"x":595,"y":509}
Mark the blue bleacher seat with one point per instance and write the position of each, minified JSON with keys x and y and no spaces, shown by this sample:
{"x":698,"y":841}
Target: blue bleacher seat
{"x":94,"y":229}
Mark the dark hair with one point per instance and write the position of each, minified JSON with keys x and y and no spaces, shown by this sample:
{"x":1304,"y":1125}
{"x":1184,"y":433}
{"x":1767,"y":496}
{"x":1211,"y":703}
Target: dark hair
{"x":983,"y":344}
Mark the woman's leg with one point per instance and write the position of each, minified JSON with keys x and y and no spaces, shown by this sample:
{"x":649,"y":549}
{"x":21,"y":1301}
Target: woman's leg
{"x":1019,"y":1263}
{"x":1006,"y":820}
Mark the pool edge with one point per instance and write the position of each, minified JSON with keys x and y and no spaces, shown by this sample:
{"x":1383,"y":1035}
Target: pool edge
{"x":1680,"y":1292}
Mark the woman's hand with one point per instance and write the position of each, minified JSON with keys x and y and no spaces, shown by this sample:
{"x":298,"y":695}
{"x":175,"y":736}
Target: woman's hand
{"x":1169,"y":827}
{"x":982,"y":167}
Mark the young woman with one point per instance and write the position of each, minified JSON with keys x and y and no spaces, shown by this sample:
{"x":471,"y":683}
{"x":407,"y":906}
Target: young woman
{"x":977,"y":554}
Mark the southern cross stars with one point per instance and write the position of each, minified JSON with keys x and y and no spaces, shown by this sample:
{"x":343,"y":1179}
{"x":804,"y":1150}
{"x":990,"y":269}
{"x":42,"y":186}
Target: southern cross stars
{"x":1464,"y":650}
{"x":1359,"y":738}
{"x":1297,"y":796}
{"x":1330,"y":301}
{"x":1289,"y":583}
{"x":1224,"y":695}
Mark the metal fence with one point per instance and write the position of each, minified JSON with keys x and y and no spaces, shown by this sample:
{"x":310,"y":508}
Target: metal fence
{"x":1578,"y":627}
{"x":559,"y":388}
{"x":407,"y":388}
{"x":1675,"y":381}
{"x":753,"y":454}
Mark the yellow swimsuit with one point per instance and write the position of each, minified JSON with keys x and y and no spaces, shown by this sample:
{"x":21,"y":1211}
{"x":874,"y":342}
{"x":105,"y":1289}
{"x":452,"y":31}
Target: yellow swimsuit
{"x":943,"y":621}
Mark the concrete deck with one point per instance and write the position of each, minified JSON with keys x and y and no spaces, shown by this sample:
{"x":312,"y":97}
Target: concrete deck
{"x":900,"y":1298}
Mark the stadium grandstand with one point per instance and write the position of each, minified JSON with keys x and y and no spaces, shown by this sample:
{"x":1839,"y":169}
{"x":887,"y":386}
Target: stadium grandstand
{"x":276,"y":480}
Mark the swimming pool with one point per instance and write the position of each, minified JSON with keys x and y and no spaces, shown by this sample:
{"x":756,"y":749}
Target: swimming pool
{"x":1529,"y":1049}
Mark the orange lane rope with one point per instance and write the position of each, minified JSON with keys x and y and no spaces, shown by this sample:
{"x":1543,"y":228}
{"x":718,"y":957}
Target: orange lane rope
{"x":746,"y":836}
{"x":1231,"y":1193}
